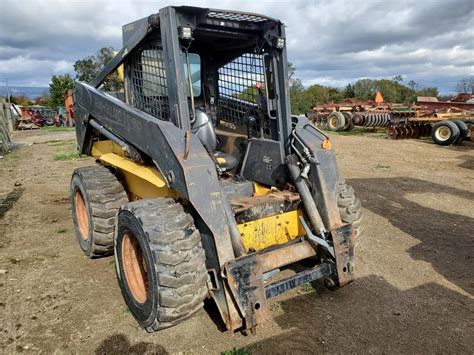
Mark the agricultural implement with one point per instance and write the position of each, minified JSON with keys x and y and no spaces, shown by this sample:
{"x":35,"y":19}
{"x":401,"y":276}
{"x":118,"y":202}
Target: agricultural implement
{"x":205,"y":185}
{"x":446,"y":125}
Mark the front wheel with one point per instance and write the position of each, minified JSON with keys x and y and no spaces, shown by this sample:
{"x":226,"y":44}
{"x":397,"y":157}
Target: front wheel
{"x":350,"y":209}
{"x":160,"y":262}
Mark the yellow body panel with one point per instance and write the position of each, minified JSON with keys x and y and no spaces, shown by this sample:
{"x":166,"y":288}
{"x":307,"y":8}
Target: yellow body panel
{"x":142,"y":181}
{"x":119,"y":69}
{"x":267,"y":231}
{"x":260,"y":189}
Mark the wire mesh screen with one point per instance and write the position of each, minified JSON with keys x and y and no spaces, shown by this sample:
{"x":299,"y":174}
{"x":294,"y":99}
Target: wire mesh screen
{"x":238,"y":93}
{"x":148,"y":83}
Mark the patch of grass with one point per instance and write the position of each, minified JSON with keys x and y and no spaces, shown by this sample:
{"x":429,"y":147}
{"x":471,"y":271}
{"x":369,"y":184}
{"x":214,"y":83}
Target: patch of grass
{"x":306,"y":287}
{"x":126,"y":310}
{"x":58,"y":129}
{"x":62,"y":231}
{"x":354,"y":132}
{"x":12,"y":155}
{"x":235,"y":351}
{"x":55,"y":142}
{"x":383,"y":167}
{"x":66,"y":156}
{"x":278,"y":306}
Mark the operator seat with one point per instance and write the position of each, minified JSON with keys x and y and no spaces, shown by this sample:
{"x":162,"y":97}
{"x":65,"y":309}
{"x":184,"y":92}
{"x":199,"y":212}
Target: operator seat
{"x":202,"y":127}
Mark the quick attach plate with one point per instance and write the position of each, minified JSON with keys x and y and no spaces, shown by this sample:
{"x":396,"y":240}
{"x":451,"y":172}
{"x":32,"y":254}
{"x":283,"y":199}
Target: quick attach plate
{"x":343,"y":240}
{"x":244,"y":276}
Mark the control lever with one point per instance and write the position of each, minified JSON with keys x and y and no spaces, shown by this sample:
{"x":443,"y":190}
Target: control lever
{"x":315,"y":239}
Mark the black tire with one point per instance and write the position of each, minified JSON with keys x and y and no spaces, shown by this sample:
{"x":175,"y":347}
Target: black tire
{"x":164,"y":240}
{"x":463,"y":131}
{"x":445,"y":132}
{"x":350,"y":208}
{"x":349,"y":125}
{"x":96,"y":196}
{"x":336,"y":121}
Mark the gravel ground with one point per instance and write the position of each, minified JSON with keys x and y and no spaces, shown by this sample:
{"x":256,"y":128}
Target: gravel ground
{"x":414,"y":292}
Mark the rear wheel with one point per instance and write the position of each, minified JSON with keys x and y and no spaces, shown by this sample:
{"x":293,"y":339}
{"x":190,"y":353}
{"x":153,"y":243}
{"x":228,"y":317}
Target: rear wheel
{"x":336,"y":121}
{"x":96,"y":196}
{"x":160,"y":262}
{"x":349,"y":125}
{"x":350,"y":209}
{"x":463,"y":131}
{"x":445,"y":132}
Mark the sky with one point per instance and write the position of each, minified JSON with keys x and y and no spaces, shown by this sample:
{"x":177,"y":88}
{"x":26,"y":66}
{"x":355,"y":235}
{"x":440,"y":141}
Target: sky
{"x":332,"y":42}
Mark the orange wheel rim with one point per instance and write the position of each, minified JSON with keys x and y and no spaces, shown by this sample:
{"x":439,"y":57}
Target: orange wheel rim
{"x":134,"y":267}
{"x":82,"y":215}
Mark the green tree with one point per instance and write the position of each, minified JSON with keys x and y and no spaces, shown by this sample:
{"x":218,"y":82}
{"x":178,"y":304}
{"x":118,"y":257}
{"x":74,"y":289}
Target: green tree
{"x":397,"y":78}
{"x":429,"y":91}
{"x":86,"y":69}
{"x":58,"y":86}
{"x":349,"y":92}
{"x":89,"y":67}
{"x":412,"y":84}
{"x":364,"y":89}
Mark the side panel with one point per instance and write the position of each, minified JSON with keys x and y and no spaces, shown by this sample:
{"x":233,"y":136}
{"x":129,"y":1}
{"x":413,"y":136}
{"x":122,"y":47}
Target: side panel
{"x":324,"y":173}
{"x":193,"y":176}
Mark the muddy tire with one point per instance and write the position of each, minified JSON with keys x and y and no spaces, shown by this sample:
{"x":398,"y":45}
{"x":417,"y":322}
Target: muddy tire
{"x":350,"y":209}
{"x":445,"y":132}
{"x":463,"y":131}
{"x":336,"y":121}
{"x":160,"y":262}
{"x":96,"y":196}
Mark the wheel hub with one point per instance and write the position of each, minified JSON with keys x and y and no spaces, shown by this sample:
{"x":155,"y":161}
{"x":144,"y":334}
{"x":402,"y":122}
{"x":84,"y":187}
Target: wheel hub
{"x":443,"y":133}
{"x":81,"y":214}
{"x":134,"y":267}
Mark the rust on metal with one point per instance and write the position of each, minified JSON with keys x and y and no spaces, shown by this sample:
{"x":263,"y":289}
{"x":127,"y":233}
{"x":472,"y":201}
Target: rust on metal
{"x":245,"y":280}
{"x":251,"y":208}
{"x":277,"y":258}
{"x":343,"y":239}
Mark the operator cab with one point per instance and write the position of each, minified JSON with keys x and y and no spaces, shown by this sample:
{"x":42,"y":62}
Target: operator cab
{"x":232,"y":66}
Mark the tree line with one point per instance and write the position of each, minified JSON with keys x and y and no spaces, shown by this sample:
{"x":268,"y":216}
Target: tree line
{"x":302,"y":99}
{"x":393,"y":90}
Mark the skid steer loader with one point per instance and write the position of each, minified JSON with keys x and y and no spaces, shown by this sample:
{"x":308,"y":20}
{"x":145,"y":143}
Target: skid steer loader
{"x":204,"y":184}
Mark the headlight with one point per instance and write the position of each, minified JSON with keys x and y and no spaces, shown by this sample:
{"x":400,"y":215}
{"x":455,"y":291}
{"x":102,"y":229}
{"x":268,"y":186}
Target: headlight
{"x":185,"y":32}
{"x":280,"y":43}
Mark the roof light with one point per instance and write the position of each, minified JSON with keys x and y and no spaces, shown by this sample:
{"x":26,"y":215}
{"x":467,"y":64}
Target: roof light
{"x":280,"y":42}
{"x":185,"y":32}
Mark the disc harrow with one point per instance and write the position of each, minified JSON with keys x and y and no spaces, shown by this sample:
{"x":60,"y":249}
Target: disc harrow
{"x":372,"y":119}
{"x":406,"y":130}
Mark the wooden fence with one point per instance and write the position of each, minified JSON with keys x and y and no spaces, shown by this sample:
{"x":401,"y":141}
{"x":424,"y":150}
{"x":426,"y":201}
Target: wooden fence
{"x":6,"y":126}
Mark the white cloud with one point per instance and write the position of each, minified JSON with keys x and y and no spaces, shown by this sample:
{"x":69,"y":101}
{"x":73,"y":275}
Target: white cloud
{"x":329,"y":42}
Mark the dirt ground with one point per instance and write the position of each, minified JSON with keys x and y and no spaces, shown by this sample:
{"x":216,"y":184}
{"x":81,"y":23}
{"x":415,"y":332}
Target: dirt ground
{"x":414,"y":292}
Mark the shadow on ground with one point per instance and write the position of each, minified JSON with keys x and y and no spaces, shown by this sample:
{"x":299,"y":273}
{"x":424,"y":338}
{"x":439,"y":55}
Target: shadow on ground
{"x":119,"y":344}
{"x":370,"y":315}
{"x":468,"y":162}
{"x":9,"y":200}
{"x":445,"y":238}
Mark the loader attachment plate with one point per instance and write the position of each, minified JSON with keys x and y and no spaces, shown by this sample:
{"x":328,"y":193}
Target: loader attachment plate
{"x":343,"y":239}
{"x":245,"y":280}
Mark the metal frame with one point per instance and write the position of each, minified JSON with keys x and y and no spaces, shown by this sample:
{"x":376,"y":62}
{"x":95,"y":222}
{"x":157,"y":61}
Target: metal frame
{"x":189,"y":169}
